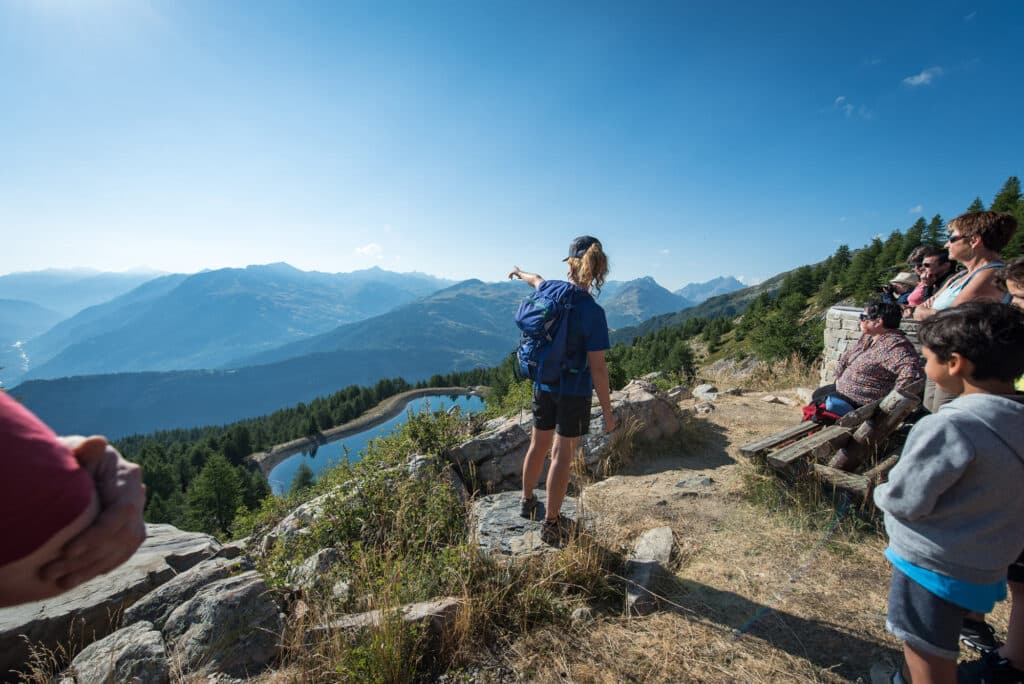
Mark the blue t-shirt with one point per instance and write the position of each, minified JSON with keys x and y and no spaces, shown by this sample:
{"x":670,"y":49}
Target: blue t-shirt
{"x":980,"y":598}
{"x":588,"y":331}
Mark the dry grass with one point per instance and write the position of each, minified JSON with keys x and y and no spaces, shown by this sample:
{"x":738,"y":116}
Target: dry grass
{"x":762,"y":376}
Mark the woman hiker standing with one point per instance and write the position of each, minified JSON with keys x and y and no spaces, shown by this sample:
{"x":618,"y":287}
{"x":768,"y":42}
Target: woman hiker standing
{"x":561,"y":414}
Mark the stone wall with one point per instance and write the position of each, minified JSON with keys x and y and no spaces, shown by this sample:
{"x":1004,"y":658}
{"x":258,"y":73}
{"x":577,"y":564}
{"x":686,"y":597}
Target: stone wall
{"x":842,"y":330}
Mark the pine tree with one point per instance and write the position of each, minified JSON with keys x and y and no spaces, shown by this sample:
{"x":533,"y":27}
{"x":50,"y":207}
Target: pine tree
{"x":976,"y":206}
{"x":1008,"y":197}
{"x":935,"y":233}
{"x":214,"y":496}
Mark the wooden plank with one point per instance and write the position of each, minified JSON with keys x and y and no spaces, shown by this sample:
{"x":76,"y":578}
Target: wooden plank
{"x":858,"y":416}
{"x":831,"y":437}
{"x":881,"y":469}
{"x":851,"y":482}
{"x":762,"y":446}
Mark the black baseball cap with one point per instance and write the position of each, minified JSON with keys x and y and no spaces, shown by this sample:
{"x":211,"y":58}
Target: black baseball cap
{"x":579,"y":246}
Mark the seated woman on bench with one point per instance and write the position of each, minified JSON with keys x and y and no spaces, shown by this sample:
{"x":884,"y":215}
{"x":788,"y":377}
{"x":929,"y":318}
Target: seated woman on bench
{"x":882,"y":359}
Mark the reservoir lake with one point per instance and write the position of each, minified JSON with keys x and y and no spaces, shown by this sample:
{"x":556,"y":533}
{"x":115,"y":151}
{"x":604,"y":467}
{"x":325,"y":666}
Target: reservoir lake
{"x":332,"y":453}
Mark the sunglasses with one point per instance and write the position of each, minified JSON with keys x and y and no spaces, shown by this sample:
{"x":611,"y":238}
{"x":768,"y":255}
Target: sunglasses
{"x":869,"y":317}
{"x":955,"y":238}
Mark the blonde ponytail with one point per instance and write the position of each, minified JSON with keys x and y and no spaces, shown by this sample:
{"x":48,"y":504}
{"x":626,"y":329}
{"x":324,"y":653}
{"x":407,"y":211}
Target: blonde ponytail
{"x":590,"y":270}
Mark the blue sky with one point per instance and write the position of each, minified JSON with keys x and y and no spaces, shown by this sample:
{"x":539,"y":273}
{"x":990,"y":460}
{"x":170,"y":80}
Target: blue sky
{"x":460,"y":138}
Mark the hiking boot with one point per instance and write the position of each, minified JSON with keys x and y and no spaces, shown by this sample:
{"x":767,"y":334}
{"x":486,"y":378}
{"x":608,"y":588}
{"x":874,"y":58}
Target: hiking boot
{"x":557,"y":531}
{"x":979,"y":635}
{"x":991,"y":668}
{"x":528,"y":507}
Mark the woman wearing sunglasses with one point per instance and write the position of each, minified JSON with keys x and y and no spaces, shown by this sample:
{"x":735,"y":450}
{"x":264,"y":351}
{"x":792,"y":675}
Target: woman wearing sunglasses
{"x":881,"y":360}
{"x":974,"y":240}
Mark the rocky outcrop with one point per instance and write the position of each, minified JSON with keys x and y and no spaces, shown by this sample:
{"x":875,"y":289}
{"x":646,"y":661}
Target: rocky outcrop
{"x":499,"y":530}
{"x":92,"y":610}
{"x":493,"y":460}
{"x":158,"y":605}
{"x":230,"y":626}
{"x":133,"y":654}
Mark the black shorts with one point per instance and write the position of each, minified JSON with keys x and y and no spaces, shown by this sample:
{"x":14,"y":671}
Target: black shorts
{"x":567,"y":414}
{"x":1015,"y":573}
{"x":920,"y":618}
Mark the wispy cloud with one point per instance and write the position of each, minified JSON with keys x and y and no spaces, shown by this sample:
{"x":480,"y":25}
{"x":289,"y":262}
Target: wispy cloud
{"x":874,"y":61}
{"x":665,"y":252}
{"x":848,"y":109}
{"x":970,"y":17}
{"x":371,"y":250}
{"x":916,"y":209}
{"x":923,"y":78}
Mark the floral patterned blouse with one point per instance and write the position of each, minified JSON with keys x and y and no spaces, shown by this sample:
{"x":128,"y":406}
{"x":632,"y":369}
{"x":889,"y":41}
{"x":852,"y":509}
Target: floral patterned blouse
{"x":876,"y":365}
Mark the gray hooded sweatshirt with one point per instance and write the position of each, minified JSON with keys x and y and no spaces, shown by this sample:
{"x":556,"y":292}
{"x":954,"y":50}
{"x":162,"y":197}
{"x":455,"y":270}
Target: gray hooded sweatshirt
{"x":954,"y":502}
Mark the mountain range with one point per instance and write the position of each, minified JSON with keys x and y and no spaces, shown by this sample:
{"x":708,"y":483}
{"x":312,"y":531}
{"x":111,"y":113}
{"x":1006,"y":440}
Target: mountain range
{"x":180,"y":322}
{"x":234,"y":343}
{"x":68,"y":291}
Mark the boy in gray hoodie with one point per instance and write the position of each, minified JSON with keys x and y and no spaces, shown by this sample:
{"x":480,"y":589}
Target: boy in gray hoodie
{"x":953,"y":504}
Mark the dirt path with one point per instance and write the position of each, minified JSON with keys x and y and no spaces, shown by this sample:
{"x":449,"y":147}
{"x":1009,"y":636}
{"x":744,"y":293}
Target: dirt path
{"x":757,"y":594}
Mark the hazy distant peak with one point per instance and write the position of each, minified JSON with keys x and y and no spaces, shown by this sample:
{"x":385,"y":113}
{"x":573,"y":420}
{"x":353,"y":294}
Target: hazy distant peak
{"x":699,"y":292}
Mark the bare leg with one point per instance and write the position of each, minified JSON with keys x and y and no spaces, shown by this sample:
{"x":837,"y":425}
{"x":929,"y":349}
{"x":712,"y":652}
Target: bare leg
{"x":928,"y":669}
{"x":540,"y":443}
{"x":1013,"y":649}
{"x":558,"y":474}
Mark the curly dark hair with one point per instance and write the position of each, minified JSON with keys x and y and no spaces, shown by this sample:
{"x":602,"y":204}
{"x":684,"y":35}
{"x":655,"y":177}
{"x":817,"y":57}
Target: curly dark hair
{"x":990,"y":335}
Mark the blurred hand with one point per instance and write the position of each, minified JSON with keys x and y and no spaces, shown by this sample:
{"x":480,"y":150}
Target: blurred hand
{"x":609,"y":422}
{"x":118,"y":530}
{"x":515,"y":273}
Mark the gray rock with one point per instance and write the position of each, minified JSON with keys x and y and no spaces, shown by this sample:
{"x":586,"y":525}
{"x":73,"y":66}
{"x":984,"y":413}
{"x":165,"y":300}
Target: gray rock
{"x":652,"y":376}
{"x":313,"y":569}
{"x":679,"y":393}
{"x":705,"y":392}
{"x":734,"y":391}
{"x":91,"y":611}
{"x":438,"y":615}
{"x":156,"y":606}
{"x":645,"y":567}
{"x":134,"y":655}
{"x":499,"y":530}
{"x":695,"y":482}
{"x":231,"y":626}
{"x":233,"y":549}
{"x":704,"y":409}
{"x":298,"y":521}
{"x":657,"y":417}
{"x":494,"y":459}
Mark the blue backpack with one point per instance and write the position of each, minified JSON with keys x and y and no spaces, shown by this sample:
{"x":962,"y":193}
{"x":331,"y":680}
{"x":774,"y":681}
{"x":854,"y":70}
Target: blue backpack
{"x":544,"y":319}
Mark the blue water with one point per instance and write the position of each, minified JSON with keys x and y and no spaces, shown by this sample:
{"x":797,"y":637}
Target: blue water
{"x":333,"y":453}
